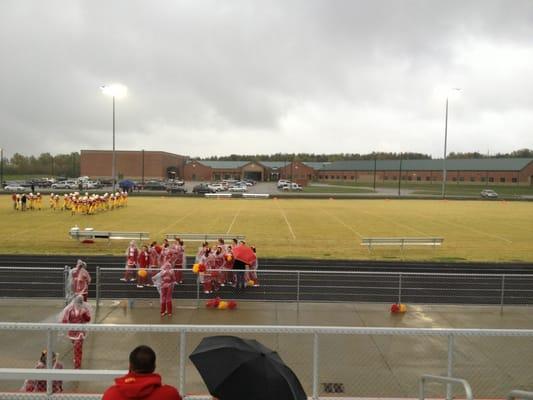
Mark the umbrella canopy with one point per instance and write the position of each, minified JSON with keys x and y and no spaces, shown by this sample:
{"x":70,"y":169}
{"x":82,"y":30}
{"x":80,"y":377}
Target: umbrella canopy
{"x":244,"y":253}
{"x":242,"y":369}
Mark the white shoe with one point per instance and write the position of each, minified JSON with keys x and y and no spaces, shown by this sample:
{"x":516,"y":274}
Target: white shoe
{"x":123,"y":279}
{"x":140,"y":286}
{"x":132,"y":279}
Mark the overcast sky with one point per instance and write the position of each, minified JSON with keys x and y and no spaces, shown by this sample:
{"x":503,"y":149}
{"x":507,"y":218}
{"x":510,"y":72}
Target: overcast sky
{"x":221,"y":77}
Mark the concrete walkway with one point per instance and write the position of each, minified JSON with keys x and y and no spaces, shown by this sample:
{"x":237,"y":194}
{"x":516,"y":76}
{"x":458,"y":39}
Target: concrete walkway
{"x":362,"y":366}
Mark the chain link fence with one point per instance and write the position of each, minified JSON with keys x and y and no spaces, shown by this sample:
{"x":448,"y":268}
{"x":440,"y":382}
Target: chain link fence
{"x":329,"y":361}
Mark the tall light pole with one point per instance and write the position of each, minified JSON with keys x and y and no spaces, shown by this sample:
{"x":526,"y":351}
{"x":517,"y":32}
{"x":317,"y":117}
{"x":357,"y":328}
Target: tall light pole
{"x":115,"y":90}
{"x":1,"y":168}
{"x":445,"y":145}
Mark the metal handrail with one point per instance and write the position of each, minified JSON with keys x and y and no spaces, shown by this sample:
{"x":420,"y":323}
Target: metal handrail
{"x":289,"y":329}
{"x":445,"y":380}
{"x":519,"y":394}
{"x":7,"y":374}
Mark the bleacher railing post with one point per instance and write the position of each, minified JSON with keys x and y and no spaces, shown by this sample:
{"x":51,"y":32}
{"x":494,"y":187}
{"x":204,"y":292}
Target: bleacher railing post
{"x":298,"y":291}
{"x":198,"y":291}
{"x":182,"y":361}
{"x":400,"y":288}
{"x":449,"y":387}
{"x":65,"y":281}
{"x":49,"y":360}
{"x":502,"y":295}
{"x":316,"y":360}
{"x":98,"y":282}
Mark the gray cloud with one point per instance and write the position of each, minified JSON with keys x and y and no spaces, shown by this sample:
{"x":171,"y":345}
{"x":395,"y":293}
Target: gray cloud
{"x":210,"y":77}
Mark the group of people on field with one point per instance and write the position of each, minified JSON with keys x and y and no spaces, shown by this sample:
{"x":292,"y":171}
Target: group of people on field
{"x":27,"y":202}
{"x":88,"y":204}
{"x":75,"y":202}
{"x":162,"y":265}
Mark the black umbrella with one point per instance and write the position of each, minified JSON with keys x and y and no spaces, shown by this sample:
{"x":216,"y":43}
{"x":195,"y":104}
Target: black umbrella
{"x":235,"y":369}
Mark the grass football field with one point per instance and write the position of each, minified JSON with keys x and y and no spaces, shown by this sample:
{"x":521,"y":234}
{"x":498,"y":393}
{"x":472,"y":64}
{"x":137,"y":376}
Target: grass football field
{"x":473,"y":230}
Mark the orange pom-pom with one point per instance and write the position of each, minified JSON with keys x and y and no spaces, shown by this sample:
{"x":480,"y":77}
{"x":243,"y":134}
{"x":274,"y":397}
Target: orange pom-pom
{"x":232,"y":304}
{"x":222,"y":305}
{"x":142,"y":273}
{"x":250,"y":283}
{"x":229,"y":257}
{"x":195,"y":268}
{"x":403,"y":308}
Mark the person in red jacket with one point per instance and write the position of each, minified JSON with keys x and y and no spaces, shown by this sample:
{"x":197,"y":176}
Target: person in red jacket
{"x":141,"y":382}
{"x":164,"y":282}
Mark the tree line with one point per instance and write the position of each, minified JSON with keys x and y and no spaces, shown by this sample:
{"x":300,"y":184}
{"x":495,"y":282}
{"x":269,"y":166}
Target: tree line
{"x":46,"y":164}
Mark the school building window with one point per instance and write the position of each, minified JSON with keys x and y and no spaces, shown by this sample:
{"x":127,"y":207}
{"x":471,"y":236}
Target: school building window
{"x":386,"y":178}
{"x":461,"y":179}
{"x":502,"y":180}
{"x":344,"y":177}
{"x":427,"y":178}
{"x":454,"y":179}
{"x":353,"y":177}
{"x":482,"y":179}
{"x":514,"y":180}
{"x":491,"y":179}
{"x":418,"y":178}
{"x":472,"y":179}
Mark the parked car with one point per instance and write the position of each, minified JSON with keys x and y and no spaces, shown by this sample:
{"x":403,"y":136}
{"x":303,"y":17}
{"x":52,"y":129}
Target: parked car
{"x":202,"y":188}
{"x":217,"y":187}
{"x":65,"y":185}
{"x":15,"y":187}
{"x":174,"y":188}
{"x":154,"y":185}
{"x":283,"y":182}
{"x":291,"y":186}
{"x":489,"y":194}
{"x":238,"y":188}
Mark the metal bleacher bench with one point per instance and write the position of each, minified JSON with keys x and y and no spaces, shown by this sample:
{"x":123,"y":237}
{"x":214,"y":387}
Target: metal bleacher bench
{"x":401,"y":241}
{"x":83,"y":234}
{"x":202,"y":237}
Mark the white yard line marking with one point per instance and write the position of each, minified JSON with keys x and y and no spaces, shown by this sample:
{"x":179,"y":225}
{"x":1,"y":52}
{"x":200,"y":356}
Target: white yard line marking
{"x":396,"y":223}
{"x":467,"y":227}
{"x":340,"y":221}
{"x":286,"y":220}
{"x":174,"y":223}
{"x":234,"y":219}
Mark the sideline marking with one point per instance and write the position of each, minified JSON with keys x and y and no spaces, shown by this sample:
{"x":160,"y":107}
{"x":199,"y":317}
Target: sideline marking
{"x":286,"y":220}
{"x":234,"y":219}
{"x":175,"y":222}
{"x":340,"y":221}
{"x":467,"y":227}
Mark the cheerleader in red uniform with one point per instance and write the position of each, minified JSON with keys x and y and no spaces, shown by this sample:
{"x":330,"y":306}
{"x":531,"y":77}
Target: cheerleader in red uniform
{"x":144,"y":262}
{"x":77,"y":312}
{"x":132,"y":255}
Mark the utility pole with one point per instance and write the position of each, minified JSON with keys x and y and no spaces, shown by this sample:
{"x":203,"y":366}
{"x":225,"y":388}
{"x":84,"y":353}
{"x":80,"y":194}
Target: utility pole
{"x":400,"y":177}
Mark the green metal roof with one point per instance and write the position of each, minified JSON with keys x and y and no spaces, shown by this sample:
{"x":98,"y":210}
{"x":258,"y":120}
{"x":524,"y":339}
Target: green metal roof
{"x":224,"y":164}
{"x":483,"y":164}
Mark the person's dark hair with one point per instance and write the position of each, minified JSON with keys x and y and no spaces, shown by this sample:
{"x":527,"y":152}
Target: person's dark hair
{"x":142,"y":360}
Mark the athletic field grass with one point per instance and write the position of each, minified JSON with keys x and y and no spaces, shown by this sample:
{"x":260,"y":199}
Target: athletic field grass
{"x":472,"y":230}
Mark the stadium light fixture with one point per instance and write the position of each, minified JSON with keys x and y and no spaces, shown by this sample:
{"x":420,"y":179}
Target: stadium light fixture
{"x":114,"y":90}
{"x":450,"y":93}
